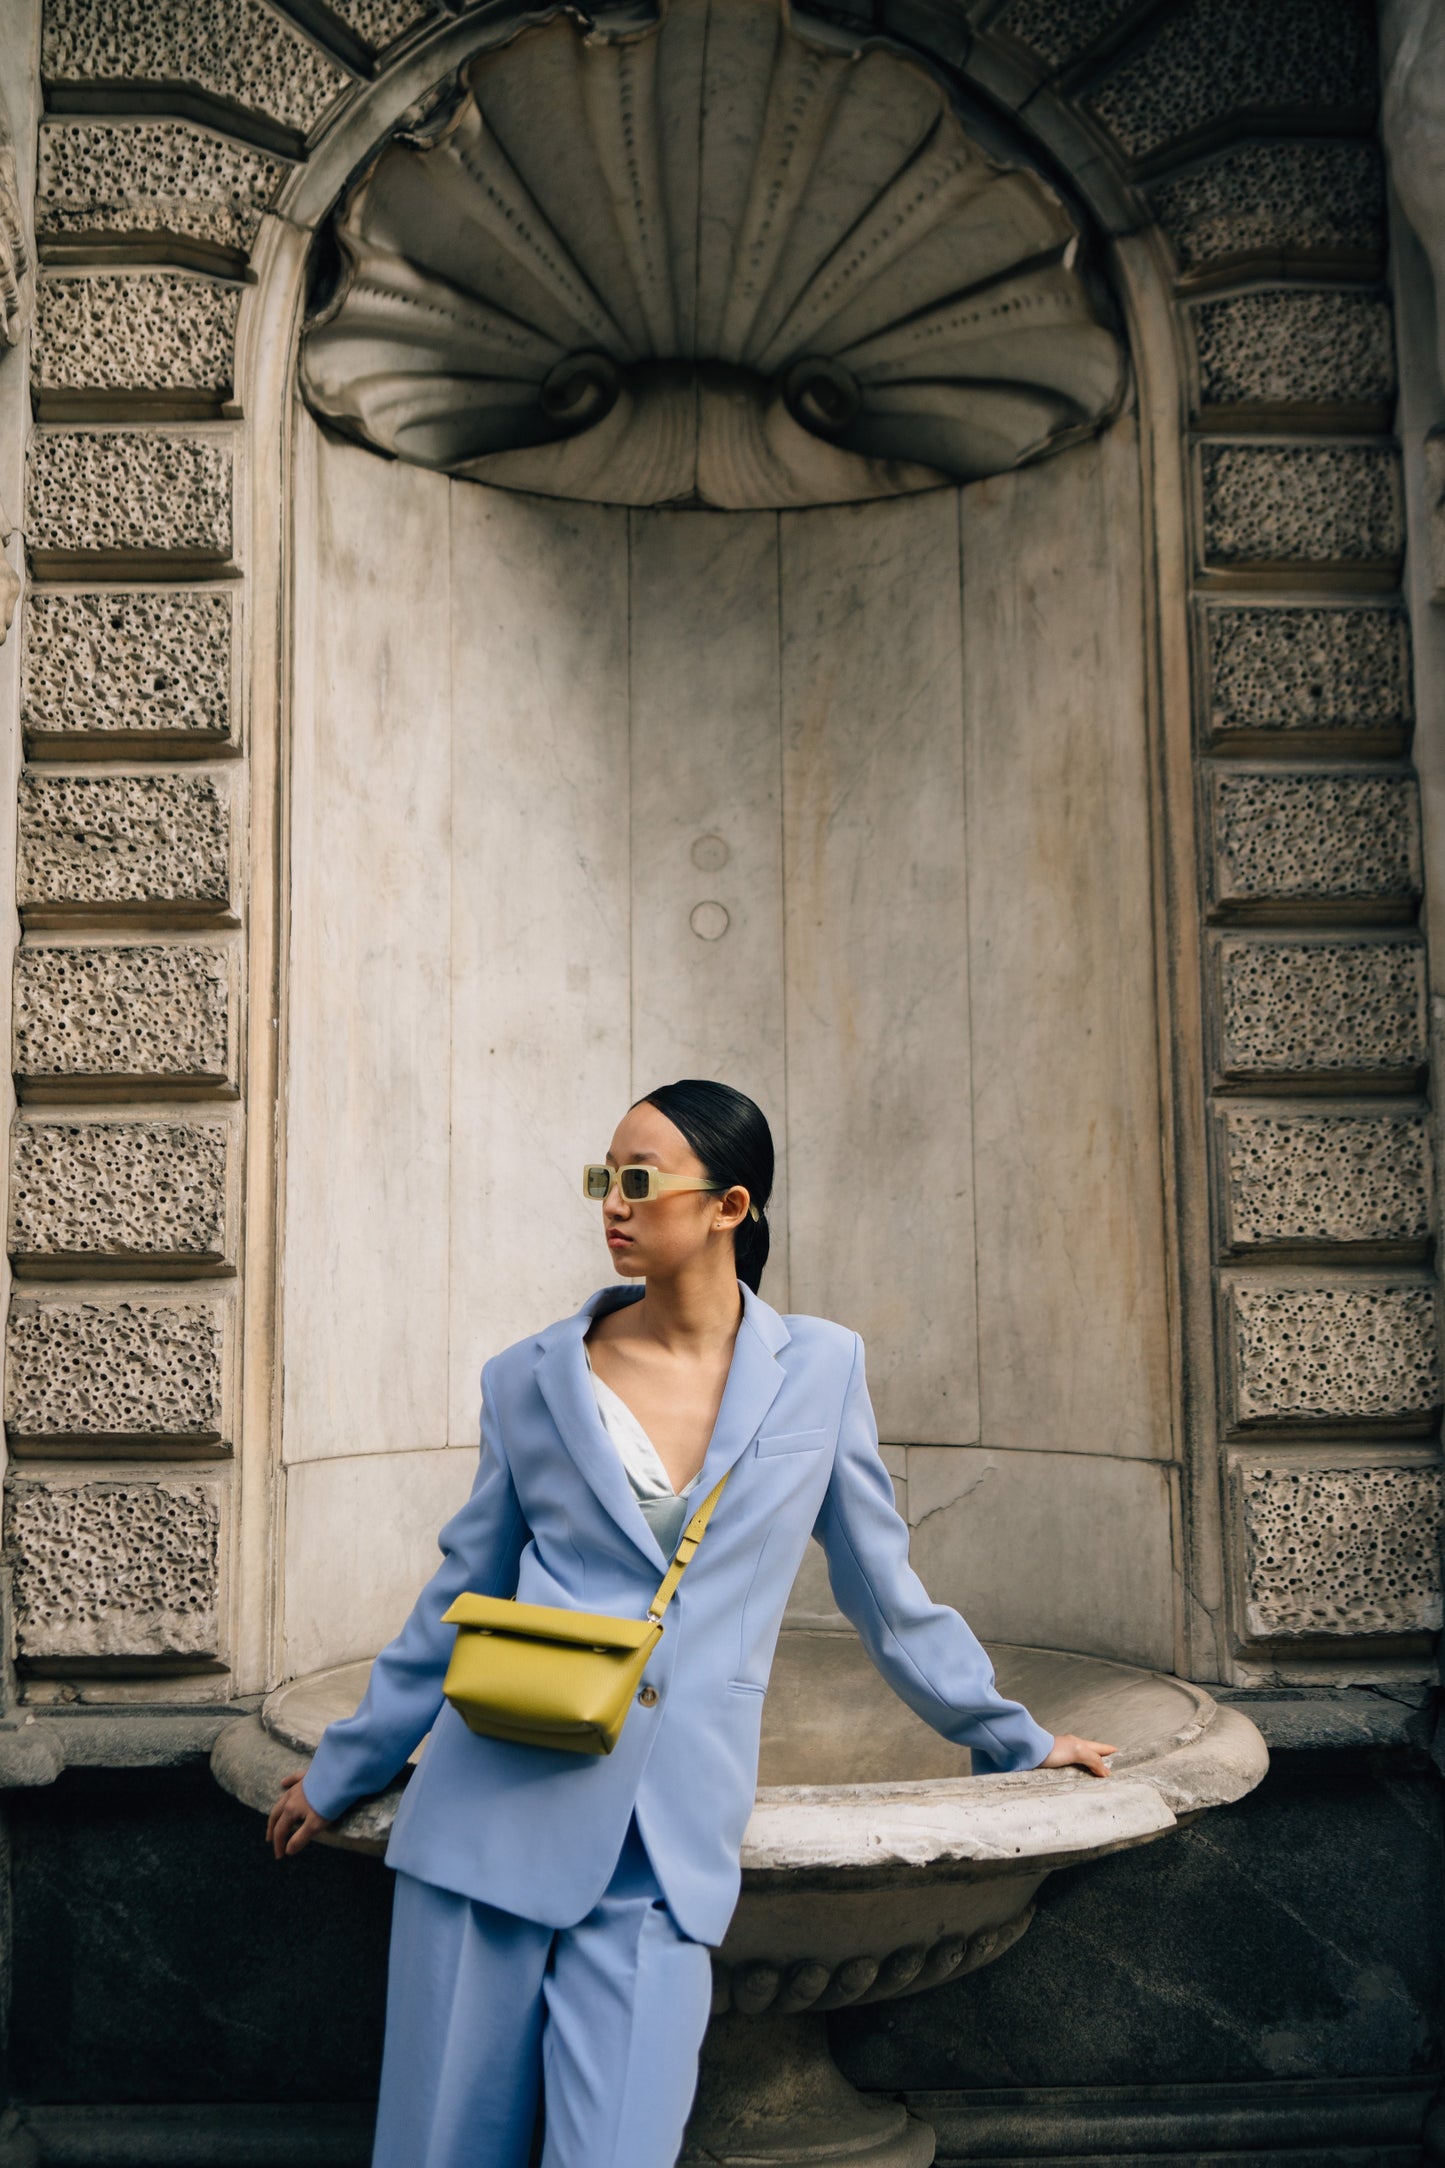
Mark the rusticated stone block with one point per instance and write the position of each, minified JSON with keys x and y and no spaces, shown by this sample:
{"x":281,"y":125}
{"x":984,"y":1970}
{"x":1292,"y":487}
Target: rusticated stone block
{"x":116,"y":179}
{"x":234,"y":50}
{"x":1340,"y":1551}
{"x":153,"y":1013}
{"x":1315,"y":838}
{"x":139,"y":840}
{"x":111,"y":1568}
{"x":1214,"y":59}
{"x":143,"y":331}
{"x":381,"y":22}
{"x":111,"y":663}
{"x":1301,"y":504}
{"x":1290,"y":1179}
{"x":135,"y":492}
{"x":1059,"y":30}
{"x":1334,"y":1354}
{"x":130,"y":1371}
{"x":1294,"y":1008}
{"x":1315,"y":671}
{"x":1277,"y":199}
{"x":94,"y":1191}
{"x":1284,"y":346}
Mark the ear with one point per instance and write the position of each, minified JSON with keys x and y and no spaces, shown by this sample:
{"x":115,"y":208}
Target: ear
{"x":733,"y":1207}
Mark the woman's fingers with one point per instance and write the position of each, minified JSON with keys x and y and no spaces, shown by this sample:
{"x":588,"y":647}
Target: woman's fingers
{"x":1070,"y":1752}
{"x":288,"y":1817}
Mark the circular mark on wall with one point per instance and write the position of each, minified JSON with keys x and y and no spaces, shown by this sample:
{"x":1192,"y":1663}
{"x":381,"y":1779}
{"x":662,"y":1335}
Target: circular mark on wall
{"x":710,"y":854}
{"x":709,"y":921}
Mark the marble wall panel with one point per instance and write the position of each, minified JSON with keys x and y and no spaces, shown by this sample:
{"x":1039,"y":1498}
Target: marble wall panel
{"x":133,"y":494}
{"x":1062,"y":1550}
{"x":1293,"y":1179}
{"x":120,"y":664}
{"x":1073,"y":1334}
{"x":165,"y":180}
{"x":361,"y":1543}
{"x":1273,"y":199}
{"x":707,"y":815}
{"x":92,"y":1193}
{"x":116,"y":1371}
{"x":1315,"y":838}
{"x":1351,"y":1550}
{"x":877,"y":951}
{"x":136,"y":841}
{"x":1273,"y":673}
{"x":1321,"y":1009}
{"x":541,"y":944}
{"x":159,"y":1014}
{"x":113,"y":1568}
{"x":1341,"y":1354}
{"x":136,"y":331}
{"x":1301,"y":504}
{"x":368,"y":1025}
{"x":235,"y":50}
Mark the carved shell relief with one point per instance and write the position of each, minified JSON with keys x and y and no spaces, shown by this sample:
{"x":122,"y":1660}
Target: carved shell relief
{"x":708,"y":263}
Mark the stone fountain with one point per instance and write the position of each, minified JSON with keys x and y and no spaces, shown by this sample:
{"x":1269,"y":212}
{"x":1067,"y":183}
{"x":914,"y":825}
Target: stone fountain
{"x":874,"y":1865}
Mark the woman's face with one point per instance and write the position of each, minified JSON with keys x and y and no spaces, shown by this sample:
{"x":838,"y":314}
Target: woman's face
{"x":663,"y":1234}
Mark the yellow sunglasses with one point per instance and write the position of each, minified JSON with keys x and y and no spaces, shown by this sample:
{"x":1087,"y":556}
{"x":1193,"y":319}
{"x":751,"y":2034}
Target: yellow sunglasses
{"x":640,"y":1184}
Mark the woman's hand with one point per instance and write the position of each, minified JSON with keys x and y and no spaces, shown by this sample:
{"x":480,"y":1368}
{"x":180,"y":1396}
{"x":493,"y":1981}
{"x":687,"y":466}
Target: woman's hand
{"x":293,"y":1821}
{"x":1071,"y":1753}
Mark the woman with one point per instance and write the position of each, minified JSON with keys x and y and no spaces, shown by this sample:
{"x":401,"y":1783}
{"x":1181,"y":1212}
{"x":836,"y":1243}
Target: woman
{"x":553,"y":1911}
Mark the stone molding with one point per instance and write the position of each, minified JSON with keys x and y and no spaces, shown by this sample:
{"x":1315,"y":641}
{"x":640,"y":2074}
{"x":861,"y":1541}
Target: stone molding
{"x":124,"y":670}
{"x":136,"y":498}
{"x":1357,"y":1354}
{"x":1276,"y":675}
{"x":1304,"y":507}
{"x":1328,"y":1013}
{"x":164,"y":340}
{"x":158,"y":1017}
{"x":149,"y":1195}
{"x":1338,"y":842}
{"x":1292,"y":1181}
{"x":133,"y":843}
{"x":171,"y":187}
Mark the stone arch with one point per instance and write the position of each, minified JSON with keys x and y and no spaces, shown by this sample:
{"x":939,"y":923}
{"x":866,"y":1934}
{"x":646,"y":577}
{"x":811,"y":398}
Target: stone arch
{"x":1228,"y":154}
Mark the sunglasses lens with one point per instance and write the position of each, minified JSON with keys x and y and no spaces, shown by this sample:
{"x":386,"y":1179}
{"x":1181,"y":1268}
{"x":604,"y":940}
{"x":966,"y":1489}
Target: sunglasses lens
{"x":596,"y":1181}
{"x":636,"y":1183}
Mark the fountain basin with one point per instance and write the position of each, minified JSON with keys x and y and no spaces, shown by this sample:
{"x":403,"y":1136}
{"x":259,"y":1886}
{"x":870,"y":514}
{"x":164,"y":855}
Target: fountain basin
{"x":874,"y":1864}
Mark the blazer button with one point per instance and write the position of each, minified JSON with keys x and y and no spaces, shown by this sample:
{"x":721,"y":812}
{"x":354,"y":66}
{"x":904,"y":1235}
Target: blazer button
{"x":648,"y":1697}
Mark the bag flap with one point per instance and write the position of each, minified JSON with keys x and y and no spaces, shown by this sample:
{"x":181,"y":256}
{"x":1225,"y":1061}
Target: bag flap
{"x":545,"y":1622}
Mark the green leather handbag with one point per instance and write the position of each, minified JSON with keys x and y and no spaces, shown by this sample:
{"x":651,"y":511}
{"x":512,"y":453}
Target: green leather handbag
{"x":542,"y":1676}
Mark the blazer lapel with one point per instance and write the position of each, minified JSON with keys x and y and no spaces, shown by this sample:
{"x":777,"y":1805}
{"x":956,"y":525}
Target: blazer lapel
{"x":754,"y":1382}
{"x":567,"y":1389}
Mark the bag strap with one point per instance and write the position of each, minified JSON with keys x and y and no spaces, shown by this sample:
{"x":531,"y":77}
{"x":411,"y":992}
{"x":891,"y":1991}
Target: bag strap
{"x":688,"y":1542}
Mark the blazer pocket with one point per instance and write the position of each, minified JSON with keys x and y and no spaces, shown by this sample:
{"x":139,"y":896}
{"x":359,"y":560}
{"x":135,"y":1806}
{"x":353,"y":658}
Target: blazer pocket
{"x":745,"y":1686}
{"x":793,"y":1441}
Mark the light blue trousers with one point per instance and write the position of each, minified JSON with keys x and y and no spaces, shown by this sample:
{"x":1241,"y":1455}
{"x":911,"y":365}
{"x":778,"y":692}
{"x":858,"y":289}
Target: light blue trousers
{"x":486,"y":2013}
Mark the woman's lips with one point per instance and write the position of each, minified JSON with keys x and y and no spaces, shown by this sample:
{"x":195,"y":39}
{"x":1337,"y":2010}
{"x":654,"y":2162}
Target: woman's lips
{"x":618,"y":1242}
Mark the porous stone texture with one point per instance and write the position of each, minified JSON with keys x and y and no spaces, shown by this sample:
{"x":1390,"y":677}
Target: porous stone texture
{"x":1334,"y":1354}
{"x":1283,"y":346}
{"x":1308,"y":670}
{"x":115,"y":662}
{"x":1301,"y":504}
{"x":1270,"y":199}
{"x":234,"y":50}
{"x":114,"y":1569}
{"x":381,"y":22}
{"x":133,"y":491}
{"x":123,"y":839}
{"x":1306,"y":1178}
{"x":153,"y":1012}
{"x":136,"y":331}
{"x":1059,"y":30}
{"x":151,"y":177}
{"x":1215,"y":58}
{"x":1298,"y":1008}
{"x":1340,"y":1550}
{"x":134,"y":1369}
{"x":147,"y":1189}
{"x":1315,"y":837}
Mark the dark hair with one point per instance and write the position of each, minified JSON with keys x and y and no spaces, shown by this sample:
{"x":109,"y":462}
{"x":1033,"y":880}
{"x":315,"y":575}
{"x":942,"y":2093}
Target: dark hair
{"x":730,"y":1135}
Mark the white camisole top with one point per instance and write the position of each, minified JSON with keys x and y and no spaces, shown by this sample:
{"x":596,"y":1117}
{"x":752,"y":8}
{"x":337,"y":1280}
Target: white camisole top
{"x":664,"y":1509}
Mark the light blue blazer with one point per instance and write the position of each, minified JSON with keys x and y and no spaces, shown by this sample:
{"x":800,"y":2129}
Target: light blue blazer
{"x":552,"y":1519}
